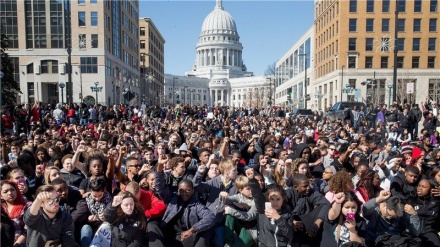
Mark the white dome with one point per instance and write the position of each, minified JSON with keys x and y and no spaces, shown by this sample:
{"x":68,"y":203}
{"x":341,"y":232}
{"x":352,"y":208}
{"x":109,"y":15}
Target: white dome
{"x":219,"y":21}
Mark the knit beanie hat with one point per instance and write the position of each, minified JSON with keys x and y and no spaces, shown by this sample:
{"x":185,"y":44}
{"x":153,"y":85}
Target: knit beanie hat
{"x":416,"y":153}
{"x":406,"y":149}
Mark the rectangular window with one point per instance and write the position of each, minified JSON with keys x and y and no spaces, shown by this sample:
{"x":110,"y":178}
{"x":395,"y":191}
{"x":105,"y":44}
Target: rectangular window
{"x":44,"y":66}
{"x":142,"y":31}
{"x":399,"y":62}
{"x":81,"y":1}
{"x":82,"y":41}
{"x":368,"y":62}
{"x":352,"y":25}
{"x":94,"y":18}
{"x":385,"y":25}
{"x":353,"y":6}
{"x":384,"y":62}
{"x":433,"y":25}
{"x":93,"y":1}
{"x":401,"y":6}
{"x":431,"y":44}
{"x":400,"y":44}
{"x":142,"y":46}
{"x":416,"y":44}
{"x":417,"y":5}
{"x":31,"y":92}
{"x":81,"y":19}
{"x":433,"y":6}
{"x":401,"y":25}
{"x":370,"y":25}
{"x":352,"y":62}
{"x":94,"y":41}
{"x":108,"y":67}
{"x":54,"y":66}
{"x":417,"y":24}
{"x":385,"y":6}
{"x":369,"y":44}
{"x":415,"y":62}
{"x":89,"y":65}
{"x":370,"y":6}
{"x":431,"y":62}
{"x":30,"y":68}
{"x":352,"y":44}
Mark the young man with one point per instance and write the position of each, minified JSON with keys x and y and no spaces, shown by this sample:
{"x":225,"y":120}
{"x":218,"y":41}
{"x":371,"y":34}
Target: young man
{"x":404,"y":186}
{"x":387,"y":215}
{"x":46,"y":222}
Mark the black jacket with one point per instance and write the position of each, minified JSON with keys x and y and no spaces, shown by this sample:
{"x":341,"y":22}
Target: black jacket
{"x":271,"y":231}
{"x":304,"y":204}
{"x":428,"y":211}
{"x":401,"y":188}
{"x":126,"y":233}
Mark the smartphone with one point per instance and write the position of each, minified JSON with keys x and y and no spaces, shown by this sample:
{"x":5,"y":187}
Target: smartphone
{"x":350,"y":216}
{"x":267,"y":205}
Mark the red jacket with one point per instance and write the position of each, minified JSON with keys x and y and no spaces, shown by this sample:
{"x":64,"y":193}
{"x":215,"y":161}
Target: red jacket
{"x":153,"y":206}
{"x":8,"y":121}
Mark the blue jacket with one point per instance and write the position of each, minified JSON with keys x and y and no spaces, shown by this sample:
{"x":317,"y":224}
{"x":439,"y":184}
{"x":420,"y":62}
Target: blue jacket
{"x":194,"y":215}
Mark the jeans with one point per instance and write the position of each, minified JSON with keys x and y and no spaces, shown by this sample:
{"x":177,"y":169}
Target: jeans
{"x":218,"y":236}
{"x":86,"y":235}
{"x":83,"y":121}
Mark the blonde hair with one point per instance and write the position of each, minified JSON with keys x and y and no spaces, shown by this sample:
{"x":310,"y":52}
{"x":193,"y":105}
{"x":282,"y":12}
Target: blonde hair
{"x":226,"y":165}
{"x":132,"y":187}
{"x":241,"y":182}
{"x":47,"y":174}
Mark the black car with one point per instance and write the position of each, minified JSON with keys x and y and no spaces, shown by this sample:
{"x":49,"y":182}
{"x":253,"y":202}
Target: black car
{"x":337,"y":110}
{"x":303,"y":112}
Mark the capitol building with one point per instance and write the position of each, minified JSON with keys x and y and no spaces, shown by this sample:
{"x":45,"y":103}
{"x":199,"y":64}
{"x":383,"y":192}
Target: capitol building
{"x":219,"y":77}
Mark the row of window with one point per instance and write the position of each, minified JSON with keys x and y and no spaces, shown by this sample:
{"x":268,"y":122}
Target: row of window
{"x":385,"y":44}
{"x":369,"y":27}
{"x":401,"y":6}
{"x":384,"y":62}
{"x":82,"y":19}
{"x":84,"y":1}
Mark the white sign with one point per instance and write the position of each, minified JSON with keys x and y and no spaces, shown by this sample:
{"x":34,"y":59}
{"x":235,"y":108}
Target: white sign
{"x":410,"y":87}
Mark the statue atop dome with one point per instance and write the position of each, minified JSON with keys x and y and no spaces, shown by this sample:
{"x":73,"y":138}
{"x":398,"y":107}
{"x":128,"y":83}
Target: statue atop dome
{"x":218,"y":4}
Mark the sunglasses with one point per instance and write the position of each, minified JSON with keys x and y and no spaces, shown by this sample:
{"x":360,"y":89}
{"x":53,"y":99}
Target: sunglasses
{"x":53,"y":201}
{"x":137,"y":166}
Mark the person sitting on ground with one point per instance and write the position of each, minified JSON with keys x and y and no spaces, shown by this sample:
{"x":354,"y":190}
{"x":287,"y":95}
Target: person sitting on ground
{"x":127,"y":219}
{"x":69,"y":197}
{"x":46,"y":222}
{"x":386,"y":214}
{"x":241,"y":215}
{"x":404,"y":185}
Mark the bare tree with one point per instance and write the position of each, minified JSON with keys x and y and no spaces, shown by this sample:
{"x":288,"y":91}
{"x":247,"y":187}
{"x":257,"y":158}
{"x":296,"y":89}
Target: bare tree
{"x":271,"y":68}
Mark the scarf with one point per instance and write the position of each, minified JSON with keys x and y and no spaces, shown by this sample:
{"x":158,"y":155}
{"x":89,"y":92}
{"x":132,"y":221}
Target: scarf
{"x":97,"y":207}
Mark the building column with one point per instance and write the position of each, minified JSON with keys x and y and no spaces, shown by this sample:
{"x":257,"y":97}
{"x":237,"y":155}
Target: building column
{"x":228,"y":98}
{"x":227,"y":57}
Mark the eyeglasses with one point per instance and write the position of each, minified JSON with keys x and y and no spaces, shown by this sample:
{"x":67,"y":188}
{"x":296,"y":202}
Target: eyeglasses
{"x":53,"y":201}
{"x":137,"y":166}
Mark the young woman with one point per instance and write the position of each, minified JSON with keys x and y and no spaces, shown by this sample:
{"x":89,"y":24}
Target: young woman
{"x":72,"y":175}
{"x":368,"y":185}
{"x":14,"y":205}
{"x":404,"y":137}
{"x":94,"y":168}
{"x":340,"y":182}
{"x":428,"y":209}
{"x":51,"y":173}
{"x":343,"y":224}
{"x":42,"y":161}
{"x":274,"y":226}
{"x":17,"y":176}
{"x":126,"y":216}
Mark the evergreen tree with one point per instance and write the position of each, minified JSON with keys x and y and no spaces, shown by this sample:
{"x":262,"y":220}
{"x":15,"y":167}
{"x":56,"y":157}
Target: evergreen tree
{"x":10,"y":88}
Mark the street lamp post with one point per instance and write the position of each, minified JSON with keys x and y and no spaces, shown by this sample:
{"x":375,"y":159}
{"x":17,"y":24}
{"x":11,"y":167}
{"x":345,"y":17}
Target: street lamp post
{"x":305,"y":78}
{"x":396,"y":18}
{"x":390,"y":87}
{"x":96,"y":89}
{"x":342,"y":79}
{"x":62,"y":85}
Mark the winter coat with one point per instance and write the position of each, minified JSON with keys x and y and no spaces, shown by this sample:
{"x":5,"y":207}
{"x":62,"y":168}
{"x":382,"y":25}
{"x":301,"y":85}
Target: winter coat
{"x":304,"y":204}
{"x":427,"y":209}
{"x":127,"y":232}
{"x":153,"y":206}
{"x":212,"y":188}
{"x":401,"y":188}
{"x":195,"y":214}
{"x":73,"y":178}
{"x":271,"y":232}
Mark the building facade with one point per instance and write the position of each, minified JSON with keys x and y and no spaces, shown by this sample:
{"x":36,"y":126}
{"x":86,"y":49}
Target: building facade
{"x":98,"y":39}
{"x":293,"y":74}
{"x":219,"y":61}
{"x":353,"y":49}
{"x":151,"y":46}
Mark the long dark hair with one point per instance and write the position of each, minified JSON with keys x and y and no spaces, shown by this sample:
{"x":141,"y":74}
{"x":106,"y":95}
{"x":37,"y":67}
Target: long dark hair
{"x":366,"y":182}
{"x":138,"y":211}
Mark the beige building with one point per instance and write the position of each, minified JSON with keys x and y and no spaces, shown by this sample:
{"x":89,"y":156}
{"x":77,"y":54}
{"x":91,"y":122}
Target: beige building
{"x":151,"y":46}
{"x":104,"y":50}
{"x":353,"y":50}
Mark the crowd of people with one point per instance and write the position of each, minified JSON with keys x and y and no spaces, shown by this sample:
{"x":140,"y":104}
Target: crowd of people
{"x":78,"y":175}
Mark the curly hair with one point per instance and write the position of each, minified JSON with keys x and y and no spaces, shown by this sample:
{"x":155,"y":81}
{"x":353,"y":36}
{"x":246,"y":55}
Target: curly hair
{"x":340,"y":181}
{"x":295,"y":166}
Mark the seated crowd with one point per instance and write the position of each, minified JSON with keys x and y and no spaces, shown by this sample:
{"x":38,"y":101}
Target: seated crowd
{"x":238,"y":180}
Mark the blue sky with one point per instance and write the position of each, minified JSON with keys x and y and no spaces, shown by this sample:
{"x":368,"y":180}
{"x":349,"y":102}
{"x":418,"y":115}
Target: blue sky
{"x":267,"y":29}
